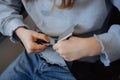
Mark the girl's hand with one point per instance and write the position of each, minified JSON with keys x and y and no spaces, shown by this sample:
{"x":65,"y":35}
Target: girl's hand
{"x":75,"y":48}
{"x":29,"y":38}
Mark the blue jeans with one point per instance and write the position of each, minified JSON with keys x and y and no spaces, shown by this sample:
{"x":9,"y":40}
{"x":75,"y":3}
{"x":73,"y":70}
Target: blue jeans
{"x":33,"y":67}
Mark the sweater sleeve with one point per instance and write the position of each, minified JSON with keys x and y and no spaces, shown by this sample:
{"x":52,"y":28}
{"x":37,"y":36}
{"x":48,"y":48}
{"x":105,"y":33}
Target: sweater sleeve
{"x":110,"y":41}
{"x":10,"y":17}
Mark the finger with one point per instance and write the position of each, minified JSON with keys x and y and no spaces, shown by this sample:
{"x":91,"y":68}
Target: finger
{"x":39,"y":46}
{"x":35,"y":47}
{"x":61,"y":52}
{"x":34,"y":51}
{"x":42,"y":36}
{"x":67,"y":58}
{"x":37,"y":51}
{"x":56,"y":46}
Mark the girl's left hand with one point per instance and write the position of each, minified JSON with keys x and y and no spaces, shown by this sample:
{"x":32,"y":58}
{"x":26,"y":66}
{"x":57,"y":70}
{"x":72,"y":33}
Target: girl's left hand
{"x":75,"y":48}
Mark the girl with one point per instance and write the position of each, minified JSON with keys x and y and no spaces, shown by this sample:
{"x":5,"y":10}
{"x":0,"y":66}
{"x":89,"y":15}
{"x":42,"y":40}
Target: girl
{"x":52,"y":18}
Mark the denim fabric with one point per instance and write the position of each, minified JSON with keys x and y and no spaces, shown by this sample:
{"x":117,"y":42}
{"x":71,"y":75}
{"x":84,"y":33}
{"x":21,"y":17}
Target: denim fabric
{"x":33,"y":67}
{"x":52,"y":57}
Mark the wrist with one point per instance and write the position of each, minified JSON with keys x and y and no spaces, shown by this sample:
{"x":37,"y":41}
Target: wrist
{"x":94,"y":46}
{"x":19,"y":31}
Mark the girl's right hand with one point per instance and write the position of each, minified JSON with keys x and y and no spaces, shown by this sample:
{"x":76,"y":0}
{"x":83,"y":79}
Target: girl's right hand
{"x":29,"y":38}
